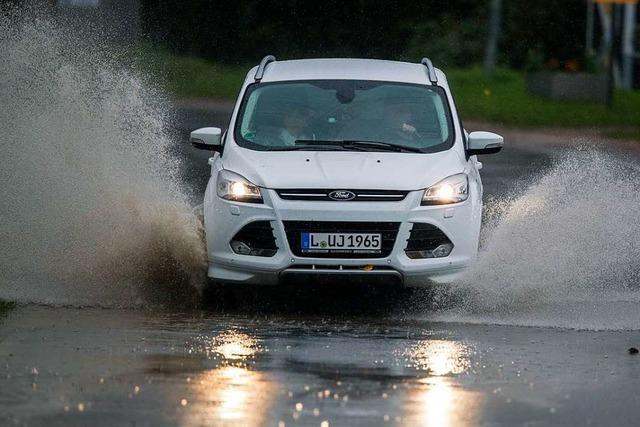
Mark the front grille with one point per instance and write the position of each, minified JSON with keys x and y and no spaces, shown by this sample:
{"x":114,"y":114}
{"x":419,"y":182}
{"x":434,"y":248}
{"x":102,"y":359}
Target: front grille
{"x":424,"y":238}
{"x":258,"y":236}
{"x":387,"y":230}
{"x":360,"y":195}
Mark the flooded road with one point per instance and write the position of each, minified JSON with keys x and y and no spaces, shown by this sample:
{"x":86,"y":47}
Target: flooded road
{"x":318,"y":356}
{"x":67,"y":366}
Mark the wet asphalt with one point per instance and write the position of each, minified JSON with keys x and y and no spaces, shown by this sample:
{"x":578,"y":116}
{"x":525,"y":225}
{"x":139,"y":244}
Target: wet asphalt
{"x":323,"y":356}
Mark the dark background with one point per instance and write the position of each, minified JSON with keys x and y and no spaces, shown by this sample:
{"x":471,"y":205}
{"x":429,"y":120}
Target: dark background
{"x":452,"y":33}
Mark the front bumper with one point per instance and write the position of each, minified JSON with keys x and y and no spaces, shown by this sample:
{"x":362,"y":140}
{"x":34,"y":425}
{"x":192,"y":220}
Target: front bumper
{"x":223,"y":219}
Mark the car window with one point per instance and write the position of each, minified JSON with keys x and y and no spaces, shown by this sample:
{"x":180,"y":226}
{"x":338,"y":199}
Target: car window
{"x":281,"y":115}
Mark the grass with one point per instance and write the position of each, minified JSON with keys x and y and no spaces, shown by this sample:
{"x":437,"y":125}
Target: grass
{"x":500,"y":97}
{"x":190,"y":77}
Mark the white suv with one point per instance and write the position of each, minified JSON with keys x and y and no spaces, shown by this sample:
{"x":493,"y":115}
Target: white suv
{"x":346,"y":168}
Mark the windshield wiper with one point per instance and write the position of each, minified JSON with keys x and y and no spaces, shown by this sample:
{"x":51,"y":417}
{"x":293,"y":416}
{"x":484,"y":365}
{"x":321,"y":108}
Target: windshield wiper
{"x":313,"y":145}
{"x":354,"y":145}
{"x":382,"y":145}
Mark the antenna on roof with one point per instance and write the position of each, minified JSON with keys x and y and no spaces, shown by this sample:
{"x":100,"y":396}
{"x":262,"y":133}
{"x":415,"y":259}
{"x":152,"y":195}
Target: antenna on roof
{"x":430,"y":70}
{"x":263,"y":65}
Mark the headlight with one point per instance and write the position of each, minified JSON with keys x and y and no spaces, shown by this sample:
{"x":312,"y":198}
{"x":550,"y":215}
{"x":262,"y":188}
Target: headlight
{"x":232,"y":186}
{"x":453,"y":189}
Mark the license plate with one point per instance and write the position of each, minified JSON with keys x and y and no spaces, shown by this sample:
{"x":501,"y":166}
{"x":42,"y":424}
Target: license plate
{"x":341,"y":242}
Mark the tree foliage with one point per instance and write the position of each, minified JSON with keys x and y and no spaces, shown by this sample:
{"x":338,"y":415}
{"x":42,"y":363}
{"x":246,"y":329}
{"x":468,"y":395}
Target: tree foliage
{"x":451,"y":32}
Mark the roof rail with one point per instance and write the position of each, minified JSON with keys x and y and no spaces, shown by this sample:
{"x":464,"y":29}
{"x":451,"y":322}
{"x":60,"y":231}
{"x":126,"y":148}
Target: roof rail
{"x":263,"y":66}
{"x":430,"y":70}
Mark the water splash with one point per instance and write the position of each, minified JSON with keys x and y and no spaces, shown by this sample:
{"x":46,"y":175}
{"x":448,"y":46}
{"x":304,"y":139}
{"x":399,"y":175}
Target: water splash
{"x":565,"y":253}
{"x":92,"y":210}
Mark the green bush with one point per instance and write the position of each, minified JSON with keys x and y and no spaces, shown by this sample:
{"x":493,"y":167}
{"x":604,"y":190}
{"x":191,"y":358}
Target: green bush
{"x":445,"y":46}
{"x":6,"y":306}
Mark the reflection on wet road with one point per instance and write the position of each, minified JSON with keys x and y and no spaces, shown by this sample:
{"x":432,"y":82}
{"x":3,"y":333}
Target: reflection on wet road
{"x":359,"y":356}
{"x":69,"y":366}
{"x":232,"y":393}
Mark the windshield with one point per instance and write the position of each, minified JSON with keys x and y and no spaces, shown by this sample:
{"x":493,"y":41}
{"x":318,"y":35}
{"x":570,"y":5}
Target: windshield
{"x":344,"y":114}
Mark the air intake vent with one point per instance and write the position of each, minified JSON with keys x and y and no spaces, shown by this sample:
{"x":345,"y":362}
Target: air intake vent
{"x":255,"y":239}
{"x":427,"y":241}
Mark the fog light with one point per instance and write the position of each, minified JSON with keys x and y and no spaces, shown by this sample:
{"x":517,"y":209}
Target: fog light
{"x":241,"y":248}
{"x":263,"y":252}
{"x":439,"y":252}
{"x":443,"y":250}
{"x":419,"y":254}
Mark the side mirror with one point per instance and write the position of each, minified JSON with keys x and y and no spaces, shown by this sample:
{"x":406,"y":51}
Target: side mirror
{"x":484,"y":143}
{"x":207,"y":139}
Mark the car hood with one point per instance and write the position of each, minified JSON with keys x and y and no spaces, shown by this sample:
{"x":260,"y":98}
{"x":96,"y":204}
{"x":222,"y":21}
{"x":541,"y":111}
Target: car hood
{"x":342,"y":170}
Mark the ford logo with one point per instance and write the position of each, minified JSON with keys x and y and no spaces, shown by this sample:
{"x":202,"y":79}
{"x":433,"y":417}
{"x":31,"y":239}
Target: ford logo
{"x":342,"y":195}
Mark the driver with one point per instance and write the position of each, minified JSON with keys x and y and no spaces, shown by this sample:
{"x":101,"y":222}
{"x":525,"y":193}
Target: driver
{"x":399,"y":122}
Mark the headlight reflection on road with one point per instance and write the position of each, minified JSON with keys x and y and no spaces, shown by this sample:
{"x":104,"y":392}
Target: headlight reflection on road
{"x":230,"y":394}
{"x":233,"y":345}
{"x":438,"y":400}
{"x":439,"y":357}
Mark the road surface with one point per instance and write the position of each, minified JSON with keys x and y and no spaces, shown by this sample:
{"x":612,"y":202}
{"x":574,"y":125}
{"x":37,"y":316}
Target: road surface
{"x":319,"y":357}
